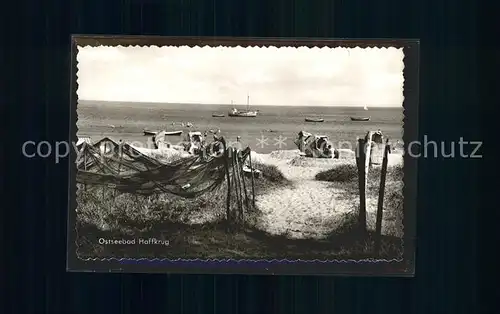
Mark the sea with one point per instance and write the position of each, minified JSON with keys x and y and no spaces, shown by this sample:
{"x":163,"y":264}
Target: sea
{"x":275,"y":128}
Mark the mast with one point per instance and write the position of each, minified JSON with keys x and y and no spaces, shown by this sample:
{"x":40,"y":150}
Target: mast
{"x":248,"y":101}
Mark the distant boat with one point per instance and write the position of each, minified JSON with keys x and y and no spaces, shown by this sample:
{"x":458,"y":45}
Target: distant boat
{"x":173,"y":133}
{"x":152,"y":133}
{"x":243,"y":113}
{"x":166,"y":133}
{"x":360,"y":118}
{"x":218,"y":115}
{"x":314,"y":119}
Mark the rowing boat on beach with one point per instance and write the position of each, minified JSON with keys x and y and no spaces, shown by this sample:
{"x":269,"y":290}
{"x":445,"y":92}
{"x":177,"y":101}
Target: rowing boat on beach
{"x":149,"y":133}
{"x":173,"y":133}
{"x":314,"y":119}
{"x":166,"y":133}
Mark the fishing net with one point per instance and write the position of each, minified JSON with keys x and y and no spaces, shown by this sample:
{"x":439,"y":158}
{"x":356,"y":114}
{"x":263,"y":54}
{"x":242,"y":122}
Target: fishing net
{"x":124,"y":168}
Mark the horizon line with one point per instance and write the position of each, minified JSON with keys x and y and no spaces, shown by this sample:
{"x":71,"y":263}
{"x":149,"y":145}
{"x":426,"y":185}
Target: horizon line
{"x":234,"y":104}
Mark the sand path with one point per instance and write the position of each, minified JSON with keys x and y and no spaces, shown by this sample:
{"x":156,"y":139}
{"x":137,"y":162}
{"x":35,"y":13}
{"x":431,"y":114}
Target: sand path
{"x":306,"y":209}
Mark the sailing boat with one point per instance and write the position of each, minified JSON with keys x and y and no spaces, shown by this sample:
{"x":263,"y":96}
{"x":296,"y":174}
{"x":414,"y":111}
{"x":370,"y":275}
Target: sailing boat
{"x":361,"y":118}
{"x":243,"y":113}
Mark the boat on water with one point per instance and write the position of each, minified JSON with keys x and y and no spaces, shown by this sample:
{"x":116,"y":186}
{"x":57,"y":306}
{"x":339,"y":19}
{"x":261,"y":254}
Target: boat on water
{"x":243,"y":113}
{"x":314,"y":119}
{"x":218,"y":115}
{"x":165,"y":133}
{"x":172,"y":133}
{"x":360,"y":118}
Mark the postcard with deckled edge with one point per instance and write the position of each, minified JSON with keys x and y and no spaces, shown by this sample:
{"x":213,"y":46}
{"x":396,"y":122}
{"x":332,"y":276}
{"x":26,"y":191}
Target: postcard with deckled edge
{"x":240,"y":155}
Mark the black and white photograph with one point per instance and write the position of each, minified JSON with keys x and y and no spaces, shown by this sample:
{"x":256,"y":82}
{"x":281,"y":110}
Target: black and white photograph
{"x":239,"y":153}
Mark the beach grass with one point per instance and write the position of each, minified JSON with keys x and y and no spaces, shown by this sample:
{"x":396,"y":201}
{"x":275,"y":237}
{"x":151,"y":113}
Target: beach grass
{"x":105,"y":213}
{"x":272,"y":174}
{"x":110,"y":209}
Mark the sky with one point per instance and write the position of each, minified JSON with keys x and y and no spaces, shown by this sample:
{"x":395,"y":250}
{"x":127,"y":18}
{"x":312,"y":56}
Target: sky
{"x":270,"y":76}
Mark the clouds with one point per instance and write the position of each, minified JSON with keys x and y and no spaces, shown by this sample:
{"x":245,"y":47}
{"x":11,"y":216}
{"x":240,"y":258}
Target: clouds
{"x":272,"y":76}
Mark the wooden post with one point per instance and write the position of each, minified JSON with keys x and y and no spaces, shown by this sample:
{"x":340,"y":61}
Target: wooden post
{"x":367,"y":149}
{"x":103,"y":159}
{"x":360,"y":161}
{"x":120,"y":149}
{"x":240,"y":185}
{"x":226,"y":164}
{"x":121,"y":158}
{"x":235,"y":180}
{"x":84,"y":162}
{"x":368,"y":153}
{"x":244,"y":185}
{"x":380,"y":208}
{"x":251,"y":176}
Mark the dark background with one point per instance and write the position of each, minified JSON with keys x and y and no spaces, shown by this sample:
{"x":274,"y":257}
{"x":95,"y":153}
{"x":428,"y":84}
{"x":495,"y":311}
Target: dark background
{"x":35,"y":75}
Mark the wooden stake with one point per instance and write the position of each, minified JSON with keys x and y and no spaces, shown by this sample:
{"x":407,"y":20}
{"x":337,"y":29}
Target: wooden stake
{"x":381,"y":192}
{"x":251,"y":175}
{"x":240,"y":186}
{"x":368,"y":151}
{"x":226,"y":164}
{"x":84,"y":162}
{"x":360,"y":161}
{"x":120,"y":148}
{"x":235,"y":180}
{"x":244,"y":185}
